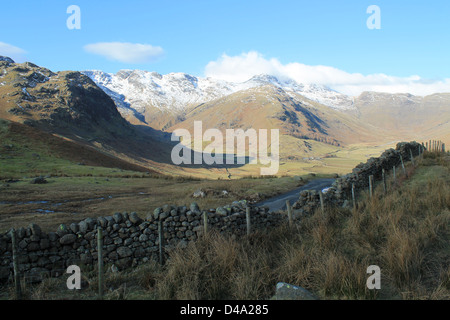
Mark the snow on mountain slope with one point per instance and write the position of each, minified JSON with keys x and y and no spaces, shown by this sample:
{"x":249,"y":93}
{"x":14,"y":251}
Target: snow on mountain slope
{"x":317,"y":93}
{"x":174,"y":91}
{"x":134,"y":90}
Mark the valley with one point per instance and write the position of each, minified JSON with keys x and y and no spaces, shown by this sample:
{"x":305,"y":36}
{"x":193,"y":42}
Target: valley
{"x":103,"y":141}
{"x":82,"y":146}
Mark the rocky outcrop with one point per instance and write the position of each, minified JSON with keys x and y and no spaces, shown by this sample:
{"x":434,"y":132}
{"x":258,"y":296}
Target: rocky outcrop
{"x":6,"y":59}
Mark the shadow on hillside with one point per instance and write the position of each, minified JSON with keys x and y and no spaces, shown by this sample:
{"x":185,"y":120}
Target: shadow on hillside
{"x":220,"y":161}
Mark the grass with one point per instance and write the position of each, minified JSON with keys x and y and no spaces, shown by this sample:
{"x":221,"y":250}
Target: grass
{"x":77,"y":197}
{"x":75,"y":191}
{"x":405,"y":232}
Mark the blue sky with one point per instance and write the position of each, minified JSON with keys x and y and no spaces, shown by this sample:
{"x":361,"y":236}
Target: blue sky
{"x":210,"y":38}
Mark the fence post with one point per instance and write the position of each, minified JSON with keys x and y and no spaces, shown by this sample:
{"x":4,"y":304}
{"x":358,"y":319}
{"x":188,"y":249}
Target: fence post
{"x":247,"y":217}
{"x":16,"y":265}
{"x":160,"y":240}
{"x":412,"y":157}
{"x":100,"y":262}
{"x":394,"y":174}
{"x":403,"y":165}
{"x":321,"y":202}
{"x":383,"y":173}
{"x":289,"y":211}
{"x":353,"y":197}
{"x":205,"y":222}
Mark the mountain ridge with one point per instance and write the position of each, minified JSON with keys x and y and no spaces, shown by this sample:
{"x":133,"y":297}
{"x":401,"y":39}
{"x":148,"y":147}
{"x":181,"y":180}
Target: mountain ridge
{"x":163,"y":101}
{"x":97,"y":114}
{"x":136,"y":91}
{"x":71,"y":105}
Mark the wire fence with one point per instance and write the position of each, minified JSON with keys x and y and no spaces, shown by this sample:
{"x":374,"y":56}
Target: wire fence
{"x":96,"y":253}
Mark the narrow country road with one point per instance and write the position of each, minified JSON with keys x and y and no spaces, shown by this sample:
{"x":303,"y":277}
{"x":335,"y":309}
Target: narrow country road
{"x":279,"y":202}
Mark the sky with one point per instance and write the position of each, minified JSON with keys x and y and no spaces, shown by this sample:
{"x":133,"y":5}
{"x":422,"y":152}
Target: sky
{"x":325,"y":42}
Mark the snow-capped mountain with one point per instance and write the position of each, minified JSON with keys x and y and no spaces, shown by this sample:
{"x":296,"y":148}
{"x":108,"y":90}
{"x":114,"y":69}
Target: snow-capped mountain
{"x":314,"y":92}
{"x":135,"y":90}
{"x":175,"y":91}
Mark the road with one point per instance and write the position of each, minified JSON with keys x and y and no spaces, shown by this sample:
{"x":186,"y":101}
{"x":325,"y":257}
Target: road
{"x":279,"y":202}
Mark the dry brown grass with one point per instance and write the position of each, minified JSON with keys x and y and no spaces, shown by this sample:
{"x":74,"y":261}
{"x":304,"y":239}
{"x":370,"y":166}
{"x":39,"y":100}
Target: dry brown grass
{"x":406,"y":233}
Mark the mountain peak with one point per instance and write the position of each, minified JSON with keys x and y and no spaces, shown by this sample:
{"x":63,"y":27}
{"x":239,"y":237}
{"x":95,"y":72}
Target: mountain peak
{"x":7,"y":59}
{"x":264,"y":78}
{"x":135,"y":91}
{"x":66,"y":99}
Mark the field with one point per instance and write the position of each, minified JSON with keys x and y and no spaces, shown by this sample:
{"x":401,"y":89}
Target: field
{"x":83,"y":183}
{"x":405,"y":232}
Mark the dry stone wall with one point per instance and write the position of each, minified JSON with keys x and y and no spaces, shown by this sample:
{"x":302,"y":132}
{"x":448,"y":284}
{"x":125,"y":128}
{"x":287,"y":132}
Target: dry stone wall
{"x":340,"y":193}
{"x":128,"y":239}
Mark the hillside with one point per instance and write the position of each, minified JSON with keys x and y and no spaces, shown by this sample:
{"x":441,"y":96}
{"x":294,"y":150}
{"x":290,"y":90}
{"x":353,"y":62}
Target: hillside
{"x":405,"y":232}
{"x":163,"y":100}
{"x":169,"y":101}
{"x":70,"y":105}
{"x":269,"y":107}
{"x":412,"y":117}
{"x":130,"y":116}
{"x":26,"y":149}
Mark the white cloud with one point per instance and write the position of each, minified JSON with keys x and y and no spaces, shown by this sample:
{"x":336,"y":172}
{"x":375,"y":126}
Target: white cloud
{"x":242,"y":67}
{"x":13,"y":52}
{"x":125,"y":52}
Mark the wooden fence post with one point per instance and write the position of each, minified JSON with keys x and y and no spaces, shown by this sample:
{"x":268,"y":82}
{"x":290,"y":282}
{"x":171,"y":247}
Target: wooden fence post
{"x":289,"y":211}
{"x":383,"y":173}
{"x":371,"y":186}
{"x":322,"y":207}
{"x":403,"y":165}
{"x":205,"y":222}
{"x":100,"y":262}
{"x":161,"y":240}
{"x":353,"y":197}
{"x":247,"y":217}
{"x":16,"y":265}
{"x":394,"y":174}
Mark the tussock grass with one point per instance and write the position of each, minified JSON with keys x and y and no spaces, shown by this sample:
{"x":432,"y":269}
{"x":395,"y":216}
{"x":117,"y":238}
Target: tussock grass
{"x":405,"y":232}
